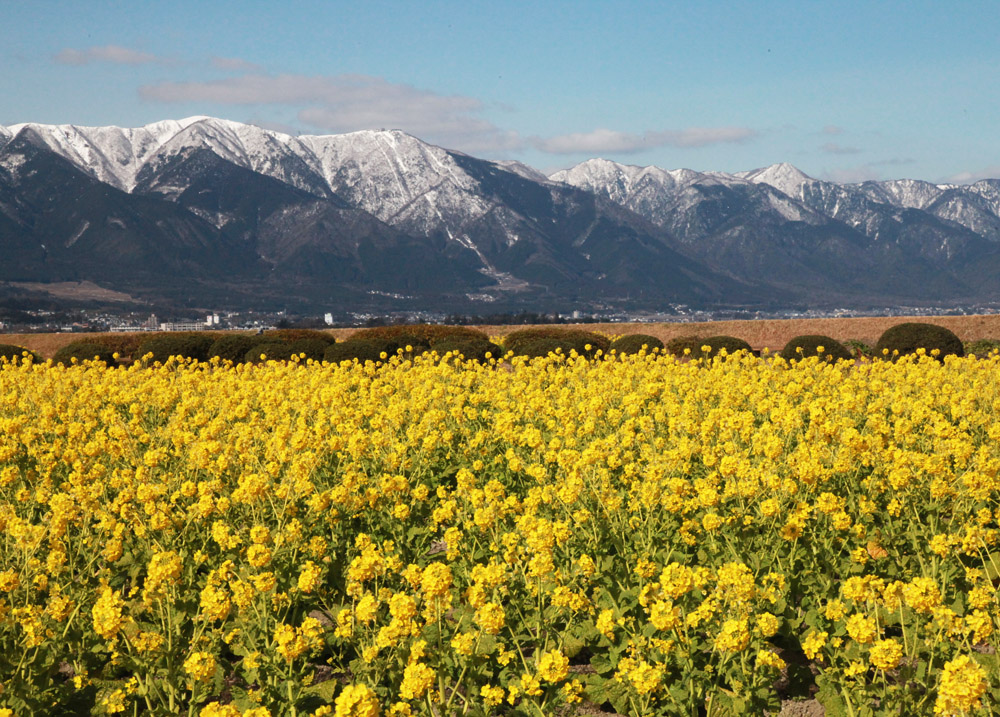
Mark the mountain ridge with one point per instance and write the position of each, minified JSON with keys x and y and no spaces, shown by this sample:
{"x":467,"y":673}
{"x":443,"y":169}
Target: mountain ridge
{"x":337,"y":217}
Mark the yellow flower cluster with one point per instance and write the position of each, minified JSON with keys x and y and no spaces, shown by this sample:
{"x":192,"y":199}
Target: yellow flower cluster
{"x":437,"y":537}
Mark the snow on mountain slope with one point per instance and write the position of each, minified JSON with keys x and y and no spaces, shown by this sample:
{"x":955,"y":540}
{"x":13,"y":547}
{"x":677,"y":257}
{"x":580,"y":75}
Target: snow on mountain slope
{"x":783,"y":177}
{"x":648,"y":190}
{"x":989,"y":190}
{"x":521,"y":169}
{"x":111,"y":154}
{"x":421,"y":188}
{"x":273,"y":154}
{"x":396,"y":177}
{"x":117,"y":155}
{"x":673,"y":198}
{"x":971,"y":209}
{"x":909,"y":193}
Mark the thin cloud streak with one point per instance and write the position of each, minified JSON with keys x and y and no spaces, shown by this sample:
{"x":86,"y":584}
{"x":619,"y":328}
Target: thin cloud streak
{"x":607,"y":140}
{"x":970,"y":177}
{"x":346,"y":103}
{"x":349,"y":102}
{"x":115,"y":54}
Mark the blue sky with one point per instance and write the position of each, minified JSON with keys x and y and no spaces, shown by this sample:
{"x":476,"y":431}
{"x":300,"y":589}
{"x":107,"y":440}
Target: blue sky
{"x":843,"y":90}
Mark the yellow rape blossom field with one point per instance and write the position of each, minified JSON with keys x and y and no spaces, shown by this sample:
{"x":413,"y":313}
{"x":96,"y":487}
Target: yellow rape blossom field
{"x":637,"y":534}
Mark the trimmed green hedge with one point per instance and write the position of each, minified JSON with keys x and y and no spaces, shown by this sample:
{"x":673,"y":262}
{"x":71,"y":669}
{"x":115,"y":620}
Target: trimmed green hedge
{"x":470,"y":349}
{"x":543,"y":346}
{"x":125,"y":344}
{"x":903,"y":339}
{"x":84,"y":351}
{"x":233,"y":347}
{"x":360,"y":349}
{"x":418,"y":344}
{"x":309,"y":348}
{"x":527,"y":342}
{"x":291,"y":335}
{"x":184,"y":345}
{"x":634,"y":343}
{"x":12,"y":353}
{"x":270,"y":351}
{"x":715,"y":345}
{"x":429,"y":333}
{"x":802,"y":347}
{"x":678,"y":345}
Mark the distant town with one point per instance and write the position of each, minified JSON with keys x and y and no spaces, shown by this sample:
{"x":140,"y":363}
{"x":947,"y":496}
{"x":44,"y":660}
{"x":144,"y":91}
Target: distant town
{"x":82,"y":321}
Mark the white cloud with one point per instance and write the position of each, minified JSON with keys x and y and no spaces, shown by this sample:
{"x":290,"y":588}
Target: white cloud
{"x":608,"y":140}
{"x":115,"y":54}
{"x":834,"y":148}
{"x":833,"y":129}
{"x":234,"y":64}
{"x":345,"y":103}
{"x":969,"y":177}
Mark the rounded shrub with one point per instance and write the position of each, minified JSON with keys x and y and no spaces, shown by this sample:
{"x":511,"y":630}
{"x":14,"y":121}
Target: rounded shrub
{"x":519,"y":341}
{"x":730,"y":343}
{"x":470,"y":349}
{"x":715,"y":346}
{"x":543,"y":346}
{"x":12,"y":353}
{"x":292,"y":335}
{"x":358,"y":349}
{"x":634,"y":343}
{"x":430,"y":333}
{"x":269,"y":351}
{"x":84,"y":351}
{"x":802,"y":347}
{"x":681,"y":346}
{"x":907,"y":338}
{"x":125,"y":344}
{"x":309,"y":348}
{"x":417,"y":344}
{"x":233,"y":347}
{"x":185,"y":345}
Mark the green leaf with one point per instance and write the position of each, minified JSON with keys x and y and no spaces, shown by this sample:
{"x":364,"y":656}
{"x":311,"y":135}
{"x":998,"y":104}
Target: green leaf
{"x":829,"y":697}
{"x":572,"y":645}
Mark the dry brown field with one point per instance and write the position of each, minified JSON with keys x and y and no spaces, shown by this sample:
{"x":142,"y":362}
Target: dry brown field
{"x":762,"y":333}
{"x":73,"y":290}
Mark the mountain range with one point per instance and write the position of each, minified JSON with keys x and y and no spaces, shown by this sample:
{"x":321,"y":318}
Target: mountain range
{"x":209,"y":212}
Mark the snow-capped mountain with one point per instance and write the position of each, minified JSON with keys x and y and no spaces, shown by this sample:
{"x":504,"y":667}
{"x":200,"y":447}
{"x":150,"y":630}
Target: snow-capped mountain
{"x":367,"y":213}
{"x":176,"y":204}
{"x":110,"y":154}
{"x":783,"y":177}
{"x":869,"y":238}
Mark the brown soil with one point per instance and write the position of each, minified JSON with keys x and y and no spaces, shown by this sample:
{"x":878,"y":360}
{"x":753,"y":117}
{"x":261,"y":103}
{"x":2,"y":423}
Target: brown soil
{"x":760,"y":334}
